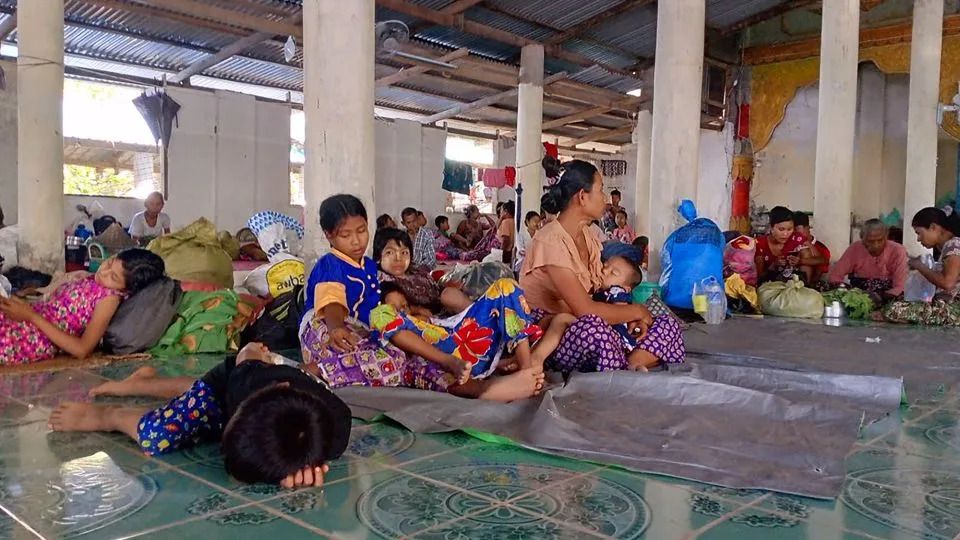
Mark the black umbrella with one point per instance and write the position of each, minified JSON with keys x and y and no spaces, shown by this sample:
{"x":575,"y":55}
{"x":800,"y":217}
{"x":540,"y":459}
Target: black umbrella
{"x":159,"y":111}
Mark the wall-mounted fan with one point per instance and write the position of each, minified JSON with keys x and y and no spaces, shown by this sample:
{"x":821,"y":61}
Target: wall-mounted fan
{"x":390,"y":37}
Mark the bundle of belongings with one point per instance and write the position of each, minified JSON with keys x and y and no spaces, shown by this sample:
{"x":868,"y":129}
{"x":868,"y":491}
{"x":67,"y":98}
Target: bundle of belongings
{"x":197,"y":256}
{"x":284,"y":270}
{"x":790,"y":299}
{"x":474,"y":279}
{"x":691,"y":254}
{"x":206,"y":322}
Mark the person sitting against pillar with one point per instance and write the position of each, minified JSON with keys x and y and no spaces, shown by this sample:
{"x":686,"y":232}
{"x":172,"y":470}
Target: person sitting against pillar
{"x":780,"y":251}
{"x":816,"y":263}
{"x":75,"y":317}
{"x":875,"y":264}
{"x":507,"y":230}
{"x":424,"y":244}
{"x":152,"y":222}
{"x":936,"y":229}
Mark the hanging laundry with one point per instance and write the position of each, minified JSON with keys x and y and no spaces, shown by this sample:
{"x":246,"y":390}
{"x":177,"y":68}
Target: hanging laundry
{"x":613,"y":167}
{"x":551,"y":149}
{"x":494,"y":178}
{"x":457,"y":177}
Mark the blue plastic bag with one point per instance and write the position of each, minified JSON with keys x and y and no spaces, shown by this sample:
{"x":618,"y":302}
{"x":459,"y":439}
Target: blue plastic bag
{"x":691,"y":254}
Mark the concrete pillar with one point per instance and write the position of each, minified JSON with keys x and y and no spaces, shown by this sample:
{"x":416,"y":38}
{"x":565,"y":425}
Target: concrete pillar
{"x":836,"y":123}
{"x":925,"y":49}
{"x":675,"y":146}
{"x":40,"y":132}
{"x":338,"y":74}
{"x":868,"y":158}
{"x":530,"y":127}
{"x":641,"y":139}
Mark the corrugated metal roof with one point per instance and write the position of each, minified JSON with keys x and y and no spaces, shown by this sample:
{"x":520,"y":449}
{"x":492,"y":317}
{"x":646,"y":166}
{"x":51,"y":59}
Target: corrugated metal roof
{"x":561,"y":14}
{"x":634,"y":31}
{"x":724,"y":13}
{"x":510,"y":24}
{"x":597,"y":76}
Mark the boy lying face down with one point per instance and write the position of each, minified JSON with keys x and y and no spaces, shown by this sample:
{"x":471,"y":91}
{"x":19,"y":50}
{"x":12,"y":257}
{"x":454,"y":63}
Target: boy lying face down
{"x":276,"y":422}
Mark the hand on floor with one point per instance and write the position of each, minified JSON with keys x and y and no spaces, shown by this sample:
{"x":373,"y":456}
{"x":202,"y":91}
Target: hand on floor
{"x":307,"y":477}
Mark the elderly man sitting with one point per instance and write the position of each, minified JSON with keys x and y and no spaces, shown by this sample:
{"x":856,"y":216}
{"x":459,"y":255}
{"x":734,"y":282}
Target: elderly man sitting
{"x":875,"y":264}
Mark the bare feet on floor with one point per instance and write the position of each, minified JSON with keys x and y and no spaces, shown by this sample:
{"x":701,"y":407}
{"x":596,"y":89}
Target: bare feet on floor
{"x":507,"y":366}
{"x":79,"y":417}
{"x":520,"y":385}
{"x":459,"y":368}
{"x":124,"y":387}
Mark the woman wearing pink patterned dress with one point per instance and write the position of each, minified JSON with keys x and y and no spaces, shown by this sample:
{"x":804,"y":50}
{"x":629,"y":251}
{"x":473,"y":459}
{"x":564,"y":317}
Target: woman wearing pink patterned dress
{"x":75,"y":317}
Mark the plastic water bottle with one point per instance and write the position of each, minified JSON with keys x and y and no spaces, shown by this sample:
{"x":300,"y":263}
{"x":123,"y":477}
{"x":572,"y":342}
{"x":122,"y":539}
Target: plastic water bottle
{"x":716,"y":301}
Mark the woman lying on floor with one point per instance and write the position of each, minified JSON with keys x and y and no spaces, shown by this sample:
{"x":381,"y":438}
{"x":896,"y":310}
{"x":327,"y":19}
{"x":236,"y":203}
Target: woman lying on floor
{"x":938,"y":229}
{"x":75,"y":317}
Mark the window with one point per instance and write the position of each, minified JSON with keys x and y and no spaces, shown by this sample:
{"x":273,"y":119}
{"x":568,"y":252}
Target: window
{"x":479,"y":153}
{"x":298,"y":134}
{"x":108,"y":148}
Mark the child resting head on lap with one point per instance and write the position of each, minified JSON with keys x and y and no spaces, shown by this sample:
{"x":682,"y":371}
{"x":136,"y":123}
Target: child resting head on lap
{"x":620,"y":276}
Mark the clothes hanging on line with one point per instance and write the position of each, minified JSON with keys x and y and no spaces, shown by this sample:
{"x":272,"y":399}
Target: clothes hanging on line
{"x":498,"y":178}
{"x":457,"y":177}
{"x":613,"y":167}
{"x":551,"y":150}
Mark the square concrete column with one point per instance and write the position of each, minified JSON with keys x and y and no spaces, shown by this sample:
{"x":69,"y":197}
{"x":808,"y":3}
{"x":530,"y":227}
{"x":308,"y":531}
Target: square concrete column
{"x":925,"y":51}
{"x":40,"y":134}
{"x":338,"y":101}
{"x":836,"y":123}
{"x":530,"y":128}
{"x":641,"y":138}
{"x":675,"y":145}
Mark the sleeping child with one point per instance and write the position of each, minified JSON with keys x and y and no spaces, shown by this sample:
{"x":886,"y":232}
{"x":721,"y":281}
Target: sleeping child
{"x":498,"y":323}
{"x":276,"y":422}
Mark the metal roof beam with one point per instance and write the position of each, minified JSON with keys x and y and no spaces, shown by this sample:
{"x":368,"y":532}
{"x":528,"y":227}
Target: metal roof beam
{"x":214,"y":13}
{"x":602,"y":135}
{"x":577,"y":30}
{"x":471,"y":27}
{"x":409,"y":73}
{"x":8,"y":26}
{"x":230,"y":50}
{"x":168,"y":15}
{"x":483,"y":102}
{"x":460,"y":6}
{"x":767,"y":14}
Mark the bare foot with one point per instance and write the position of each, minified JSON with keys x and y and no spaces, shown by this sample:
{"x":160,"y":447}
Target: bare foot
{"x":124,"y":387}
{"x":520,"y":385}
{"x":507,"y":366}
{"x":640,"y":360}
{"x":79,"y":417}
{"x":459,"y":368}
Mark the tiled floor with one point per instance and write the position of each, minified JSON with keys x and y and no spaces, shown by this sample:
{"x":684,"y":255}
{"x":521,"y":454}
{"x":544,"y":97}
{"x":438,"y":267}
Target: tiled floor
{"x":903,"y":482}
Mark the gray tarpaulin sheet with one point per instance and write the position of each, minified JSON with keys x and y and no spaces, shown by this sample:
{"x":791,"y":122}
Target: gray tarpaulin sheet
{"x":928,"y":359}
{"x":732,"y":426}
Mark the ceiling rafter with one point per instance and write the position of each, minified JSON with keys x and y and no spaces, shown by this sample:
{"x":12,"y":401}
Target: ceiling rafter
{"x":767,"y":14}
{"x":583,"y":26}
{"x":210,"y":12}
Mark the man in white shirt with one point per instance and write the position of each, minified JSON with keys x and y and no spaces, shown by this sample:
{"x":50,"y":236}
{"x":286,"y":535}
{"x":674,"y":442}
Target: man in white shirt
{"x":152,"y":222}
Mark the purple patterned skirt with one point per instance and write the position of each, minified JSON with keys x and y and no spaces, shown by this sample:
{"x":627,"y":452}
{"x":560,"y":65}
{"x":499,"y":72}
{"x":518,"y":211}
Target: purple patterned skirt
{"x":590,"y":344}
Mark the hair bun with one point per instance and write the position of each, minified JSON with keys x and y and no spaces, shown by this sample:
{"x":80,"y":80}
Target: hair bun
{"x":550,"y":202}
{"x":551,"y":166}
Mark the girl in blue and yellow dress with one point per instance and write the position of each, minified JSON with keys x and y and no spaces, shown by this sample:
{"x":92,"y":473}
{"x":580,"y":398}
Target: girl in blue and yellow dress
{"x":341,"y":292}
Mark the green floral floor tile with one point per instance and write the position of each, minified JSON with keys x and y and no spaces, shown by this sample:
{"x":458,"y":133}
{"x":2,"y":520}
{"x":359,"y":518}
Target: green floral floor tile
{"x":94,"y":495}
{"x":189,"y":366}
{"x":509,"y":522}
{"x":388,"y":443}
{"x":936,"y":435}
{"x":759,"y":525}
{"x":243,"y":523}
{"x":33,"y":446}
{"x":69,"y":385}
{"x":384,"y":504}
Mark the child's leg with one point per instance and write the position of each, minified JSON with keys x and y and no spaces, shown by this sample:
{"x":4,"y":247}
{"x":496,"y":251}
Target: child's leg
{"x":520,"y":385}
{"x":558,"y":324}
{"x":95,"y":417}
{"x":144,"y":382}
{"x":156,"y":431}
{"x":454,"y":300}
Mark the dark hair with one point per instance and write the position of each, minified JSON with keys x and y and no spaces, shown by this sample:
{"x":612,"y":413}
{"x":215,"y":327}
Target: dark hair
{"x":408,"y":211}
{"x":641,"y":241}
{"x":780,"y":214}
{"x":440,"y":220}
{"x":384,"y":236}
{"x":335,"y":209}
{"x":383,"y":220}
{"x":577,"y":176}
{"x":274,"y":433}
{"x":140,"y":268}
{"x":1,"y":216}
{"x":801,"y":219}
{"x":391,"y":287}
{"x":510,"y":207}
{"x":551,"y":166}
{"x":930,"y":216}
{"x":499,"y":207}
{"x":530,"y":215}
{"x":615,"y":192}
{"x":622,"y":213}
{"x":636,"y":275}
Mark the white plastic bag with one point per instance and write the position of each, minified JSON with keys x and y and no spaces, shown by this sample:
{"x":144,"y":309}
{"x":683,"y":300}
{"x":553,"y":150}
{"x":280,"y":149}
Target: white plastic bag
{"x":5,"y":288}
{"x":917,"y":288}
{"x":284,"y":271}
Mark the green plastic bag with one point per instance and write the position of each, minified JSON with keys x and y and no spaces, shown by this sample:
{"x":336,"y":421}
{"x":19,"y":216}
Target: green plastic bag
{"x":195,"y":254}
{"x":791,"y":299}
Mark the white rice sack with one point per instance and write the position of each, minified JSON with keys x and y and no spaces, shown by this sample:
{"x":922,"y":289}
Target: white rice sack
{"x":284,"y":271}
